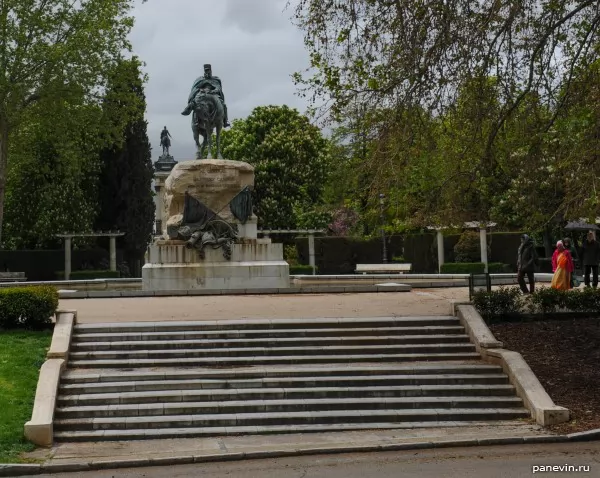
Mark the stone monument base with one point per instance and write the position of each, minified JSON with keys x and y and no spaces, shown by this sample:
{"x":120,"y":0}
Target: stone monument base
{"x":254,"y":264}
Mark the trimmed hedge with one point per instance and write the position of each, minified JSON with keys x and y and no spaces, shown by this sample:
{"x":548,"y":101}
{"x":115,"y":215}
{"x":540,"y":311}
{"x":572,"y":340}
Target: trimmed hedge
{"x":302,"y":269}
{"x":89,"y":274}
{"x":474,"y":268}
{"x":27,"y":307}
{"x":508,"y":302}
{"x":463,"y":268}
{"x":504,"y":302}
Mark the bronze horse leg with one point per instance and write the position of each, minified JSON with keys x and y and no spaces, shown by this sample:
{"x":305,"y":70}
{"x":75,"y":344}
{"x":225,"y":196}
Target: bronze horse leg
{"x":195,"y":130}
{"x":219,"y":127}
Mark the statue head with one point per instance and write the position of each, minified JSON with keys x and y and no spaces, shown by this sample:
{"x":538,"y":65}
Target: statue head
{"x":207,"y":71}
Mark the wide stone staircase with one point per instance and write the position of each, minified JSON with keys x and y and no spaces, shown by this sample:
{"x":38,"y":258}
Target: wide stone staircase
{"x":191,"y":379}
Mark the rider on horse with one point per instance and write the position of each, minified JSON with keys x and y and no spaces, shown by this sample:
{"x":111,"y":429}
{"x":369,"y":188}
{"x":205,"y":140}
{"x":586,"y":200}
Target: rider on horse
{"x":164,"y":140}
{"x":210,"y":83}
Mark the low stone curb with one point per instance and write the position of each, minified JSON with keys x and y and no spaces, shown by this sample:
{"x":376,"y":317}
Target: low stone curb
{"x":476,"y":328}
{"x":61,"y":337}
{"x":39,"y":429}
{"x":103,"y":294}
{"x":21,"y":470}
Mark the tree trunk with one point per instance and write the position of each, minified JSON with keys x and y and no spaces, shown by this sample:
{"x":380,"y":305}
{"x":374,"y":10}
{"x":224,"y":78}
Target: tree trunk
{"x":3,"y":169}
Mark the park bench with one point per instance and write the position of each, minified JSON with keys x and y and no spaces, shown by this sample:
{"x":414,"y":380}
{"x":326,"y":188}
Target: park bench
{"x":383,"y":268}
{"x":12,"y":277}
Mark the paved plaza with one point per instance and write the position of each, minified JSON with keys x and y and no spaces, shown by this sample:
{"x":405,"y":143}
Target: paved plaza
{"x":222,"y":307}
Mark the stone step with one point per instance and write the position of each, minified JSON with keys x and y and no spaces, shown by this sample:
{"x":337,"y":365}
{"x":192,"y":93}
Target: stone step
{"x":271,"y":351}
{"x":284,"y":382}
{"x":95,"y":362}
{"x":289,"y":418}
{"x":83,"y":376}
{"x":168,"y":396}
{"x":190,"y":432}
{"x":268,"y":342}
{"x":305,"y":323}
{"x":264,"y":333}
{"x":293,"y":405}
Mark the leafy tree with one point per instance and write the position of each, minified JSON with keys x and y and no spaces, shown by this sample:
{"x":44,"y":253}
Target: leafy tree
{"x":125,"y":197}
{"x":54,"y":49}
{"x":447,"y":84}
{"x":419,"y":52}
{"x":575,"y":146}
{"x":52,"y":177}
{"x":350,"y":185}
{"x":291,"y":161}
{"x":532,"y":191}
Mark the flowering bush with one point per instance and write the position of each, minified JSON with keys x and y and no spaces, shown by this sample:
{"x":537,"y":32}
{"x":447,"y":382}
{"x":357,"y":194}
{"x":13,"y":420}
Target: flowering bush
{"x":343,"y":221}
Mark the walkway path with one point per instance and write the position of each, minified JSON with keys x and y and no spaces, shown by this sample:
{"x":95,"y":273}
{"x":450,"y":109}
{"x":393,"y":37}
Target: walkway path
{"x":227,"y":447}
{"x":417,"y":302}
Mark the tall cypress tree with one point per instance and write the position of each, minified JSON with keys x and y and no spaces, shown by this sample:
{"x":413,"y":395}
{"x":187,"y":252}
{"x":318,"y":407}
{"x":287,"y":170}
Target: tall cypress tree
{"x":125,"y":191}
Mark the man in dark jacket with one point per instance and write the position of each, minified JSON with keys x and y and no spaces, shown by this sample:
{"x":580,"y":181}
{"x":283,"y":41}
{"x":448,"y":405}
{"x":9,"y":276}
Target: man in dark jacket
{"x":590,"y":256}
{"x":526,"y":259}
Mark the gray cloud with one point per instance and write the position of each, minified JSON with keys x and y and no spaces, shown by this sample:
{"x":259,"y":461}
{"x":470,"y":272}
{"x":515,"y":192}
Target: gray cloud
{"x":255,"y":16}
{"x":253,"y":50}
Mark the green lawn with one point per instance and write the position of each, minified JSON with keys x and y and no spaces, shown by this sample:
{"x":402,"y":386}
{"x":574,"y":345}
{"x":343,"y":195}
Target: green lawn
{"x":21,"y":356}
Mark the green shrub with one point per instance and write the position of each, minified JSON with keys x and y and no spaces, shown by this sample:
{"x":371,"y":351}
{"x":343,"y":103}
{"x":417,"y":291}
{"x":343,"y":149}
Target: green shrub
{"x":547,"y":300}
{"x":27,"y":307}
{"x":507,"y":302}
{"x":463,"y":268}
{"x":474,"y":268}
{"x":302,"y":269}
{"x":89,"y":274}
{"x":468,"y":248}
{"x":290,"y":255}
{"x":588,"y":300}
{"x":499,"y":268}
{"x":503,"y":302}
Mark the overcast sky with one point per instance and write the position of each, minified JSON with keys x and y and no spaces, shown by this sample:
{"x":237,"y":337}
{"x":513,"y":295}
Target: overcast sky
{"x":251,"y":44}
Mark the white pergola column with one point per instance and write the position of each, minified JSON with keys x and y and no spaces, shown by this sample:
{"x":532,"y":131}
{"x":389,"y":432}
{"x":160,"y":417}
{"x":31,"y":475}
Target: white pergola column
{"x":311,"y":251}
{"x":483,"y":245}
{"x":113,"y":253}
{"x":440,"y":250}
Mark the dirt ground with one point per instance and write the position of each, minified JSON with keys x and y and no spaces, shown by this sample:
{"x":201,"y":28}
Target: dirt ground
{"x":565,"y":356}
{"x":222,"y":307}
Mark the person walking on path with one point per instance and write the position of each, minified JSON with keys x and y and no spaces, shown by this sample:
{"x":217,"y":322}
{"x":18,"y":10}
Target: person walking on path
{"x":590,"y":256}
{"x":563,"y":269}
{"x":526,"y":260}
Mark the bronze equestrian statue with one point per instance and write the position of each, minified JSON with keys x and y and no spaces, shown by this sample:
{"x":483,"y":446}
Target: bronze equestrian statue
{"x":207,"y":103}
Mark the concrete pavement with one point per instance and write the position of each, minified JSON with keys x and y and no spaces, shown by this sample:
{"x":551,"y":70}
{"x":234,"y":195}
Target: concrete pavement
{"x":221,"y":307}
{"x":513,"y":461}
{"x":120,"y":454}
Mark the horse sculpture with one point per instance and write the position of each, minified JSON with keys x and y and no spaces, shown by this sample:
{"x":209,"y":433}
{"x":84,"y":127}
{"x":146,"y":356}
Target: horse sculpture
{"x":165,"y":142}
{"x":208,"y":114}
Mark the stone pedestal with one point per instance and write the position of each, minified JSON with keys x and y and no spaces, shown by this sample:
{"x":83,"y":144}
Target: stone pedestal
{"x":162,"y":169}
{"x":254,"y":263}
{"x":215,"y":182}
